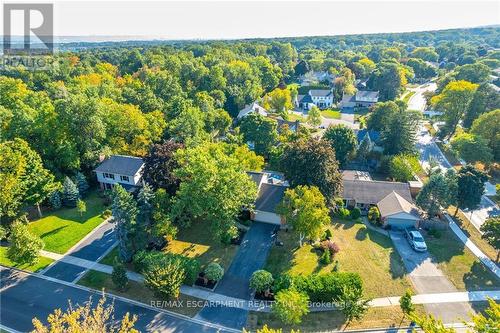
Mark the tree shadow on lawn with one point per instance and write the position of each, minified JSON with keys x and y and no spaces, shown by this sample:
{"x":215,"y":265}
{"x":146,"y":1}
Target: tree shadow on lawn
{"x":480,"y":278}
{"x":52,"y":232}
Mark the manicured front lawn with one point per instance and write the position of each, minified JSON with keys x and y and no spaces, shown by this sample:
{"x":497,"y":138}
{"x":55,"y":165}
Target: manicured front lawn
{"x":187,"y":305}
{"x":335,"y":320}
{"x":361,"y":250}
{"x":41,"y":264}
{"x":293,"y":117}
{"x":197,"y":242}
{"x":331,"y":114}
{"x":62,"y":229}
{"x":458,"y":263}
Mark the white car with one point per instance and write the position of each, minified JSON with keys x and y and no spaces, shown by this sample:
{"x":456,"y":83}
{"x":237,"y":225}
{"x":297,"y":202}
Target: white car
{"x":416,"y":240}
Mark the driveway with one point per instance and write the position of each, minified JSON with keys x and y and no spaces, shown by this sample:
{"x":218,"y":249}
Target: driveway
{"x":91,"y":248}
{"x":25,"y":296}
{"x":251,"y":256}
{"x":427,"y":278}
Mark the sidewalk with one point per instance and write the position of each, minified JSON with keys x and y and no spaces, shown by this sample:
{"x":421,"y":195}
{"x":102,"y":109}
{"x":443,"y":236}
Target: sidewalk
{"x":474,"y":249}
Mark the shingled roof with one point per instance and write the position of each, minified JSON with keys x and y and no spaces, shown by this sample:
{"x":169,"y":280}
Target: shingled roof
{"x":120,"y":164}
{"x":270,"y":195}
{"x":371,"y":192}
{"x":393,"y":203}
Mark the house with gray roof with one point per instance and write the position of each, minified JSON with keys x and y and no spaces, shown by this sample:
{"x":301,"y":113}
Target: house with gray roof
{"x":362,"y":99}
{"x":398,"y":213}
{"x":120,"y":169}
{"x":252,"y":108}
{"x":271,"y":190}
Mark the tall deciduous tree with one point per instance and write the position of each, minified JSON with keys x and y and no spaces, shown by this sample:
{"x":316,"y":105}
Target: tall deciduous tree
{"x":472,"y":148}
{"x":491,"y":232}
{"x":304,"y":208}
{"x":261,"y":131}
{"x":290,"y":306}
{"x":485,"y":99}
{"x":312,"y":162}
{"x":24,"y":246}
{"x":488,"y":127}
{"x":159,"y":165}
{"x":214,"y":188}
{"x":343,"y":141}
{"x":279,"y":100}
{"x":454,"y":101}
{"x":314,"y":116}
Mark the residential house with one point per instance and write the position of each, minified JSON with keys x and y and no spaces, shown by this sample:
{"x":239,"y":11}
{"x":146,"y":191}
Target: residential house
{"x":312,"y":78}
{"x":271,"y":190}
{"x":393,"y":199}
{"x":120,"y":169}
{"x":322,"y":98}
{"x":362,"y":99}
{"x":252,"y":108}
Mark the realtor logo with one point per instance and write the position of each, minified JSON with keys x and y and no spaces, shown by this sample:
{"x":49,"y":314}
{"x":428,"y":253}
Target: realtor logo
{"x":33,"y":23}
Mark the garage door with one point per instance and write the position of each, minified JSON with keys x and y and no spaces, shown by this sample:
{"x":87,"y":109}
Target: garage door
{"x":267,"y":217}
{"x":398,"y":223}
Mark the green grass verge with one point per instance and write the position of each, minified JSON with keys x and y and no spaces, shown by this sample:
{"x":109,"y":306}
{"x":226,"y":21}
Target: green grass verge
{"x":41,"y":264}
{"x":62,"y":229}
{"x":458,"y":263}
{"x":363,"y":251}
{"x":295,"y":117}
{"x":137,"y":291}
{"x":334,"y":320}
{"x":331,"y":114}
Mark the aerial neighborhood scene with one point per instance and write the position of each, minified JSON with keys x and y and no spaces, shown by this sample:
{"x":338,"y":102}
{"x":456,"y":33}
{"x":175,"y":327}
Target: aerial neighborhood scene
{"x":246,"y":166}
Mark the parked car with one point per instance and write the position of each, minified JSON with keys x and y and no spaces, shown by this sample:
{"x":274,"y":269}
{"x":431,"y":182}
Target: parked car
{"x":416,"y":240}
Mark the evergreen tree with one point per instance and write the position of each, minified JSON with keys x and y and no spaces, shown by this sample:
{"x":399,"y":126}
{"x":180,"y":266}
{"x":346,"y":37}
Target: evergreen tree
{"x":70,"y":193}
{"x":364,"y":149}
{"x":119,"y":275}
{"x":125,"y":212}
{"x":82,"y":184}
{"x":55,"y":200}
{"x":470,"y":183}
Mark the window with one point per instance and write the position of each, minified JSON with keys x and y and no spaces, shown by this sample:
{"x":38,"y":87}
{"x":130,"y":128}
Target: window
{"x":124,"y":178}
{"x":108,"y":175}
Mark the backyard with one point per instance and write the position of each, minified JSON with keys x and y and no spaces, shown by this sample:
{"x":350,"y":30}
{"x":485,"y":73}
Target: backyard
{"x":458,"y":263}
{"x":41,"y":264}
{"x":361,"y":250}
{"x":137,"y":291}
{"x":63,"y":228}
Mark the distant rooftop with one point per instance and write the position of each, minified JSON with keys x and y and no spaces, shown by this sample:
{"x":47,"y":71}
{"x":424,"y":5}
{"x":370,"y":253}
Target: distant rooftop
{"x":121,"y":164}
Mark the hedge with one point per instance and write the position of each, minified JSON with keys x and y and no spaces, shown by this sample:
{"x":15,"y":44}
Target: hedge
{"x":321,"y":287}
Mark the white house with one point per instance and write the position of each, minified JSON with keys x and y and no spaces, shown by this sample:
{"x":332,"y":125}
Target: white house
{"x":252,"y":108}
{"x":362,"y":99}
{"x":322,"y":98}
{"x":120,"y":169}
{"x":271,"y":189}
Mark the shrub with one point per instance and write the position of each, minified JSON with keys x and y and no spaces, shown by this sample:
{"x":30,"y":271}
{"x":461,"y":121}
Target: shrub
{"x":261,"y":281}
{"x":330,"y":247}
{"x":106,"y":214}
{"x":290,"y":306}
{"x":328,"y":234}
{"x":434,"y":233}
{"x":374,"y":215}
{"x":119,"y":276}
{"x":323,"y":287}
{"x":24,"y":245}
{"x":326,"y":258}
{"x":3,"y":233}
{"x":342,"y":213}
{"x":165,"y":279}
{"x":214,"y":271}
{"x":355,"y":213}
{"x":143,"y":260}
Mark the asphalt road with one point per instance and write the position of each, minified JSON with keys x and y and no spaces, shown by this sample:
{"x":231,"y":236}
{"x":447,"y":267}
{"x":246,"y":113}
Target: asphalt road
{"x":250,"y":257}
{"x":24,"y":296}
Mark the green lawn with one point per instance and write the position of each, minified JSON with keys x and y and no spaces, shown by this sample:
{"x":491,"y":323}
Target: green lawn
{"x":62,"y":229}
{"x":41,"y":264}
{"x":331,"y":114}
{"x":334,"y":320}
{"x":407,"y":96}
{"x":458,"y":263}
{"x":361,"y":250}
{"x":293,"y":117}
{"x":137,"y":291}
{"x":197,"y":242}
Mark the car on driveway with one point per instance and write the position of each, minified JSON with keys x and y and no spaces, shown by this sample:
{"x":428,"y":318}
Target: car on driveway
{"x":416,"y":240}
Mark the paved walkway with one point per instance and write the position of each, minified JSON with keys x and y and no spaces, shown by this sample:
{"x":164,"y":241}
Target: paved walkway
{"x":493,"y":267}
